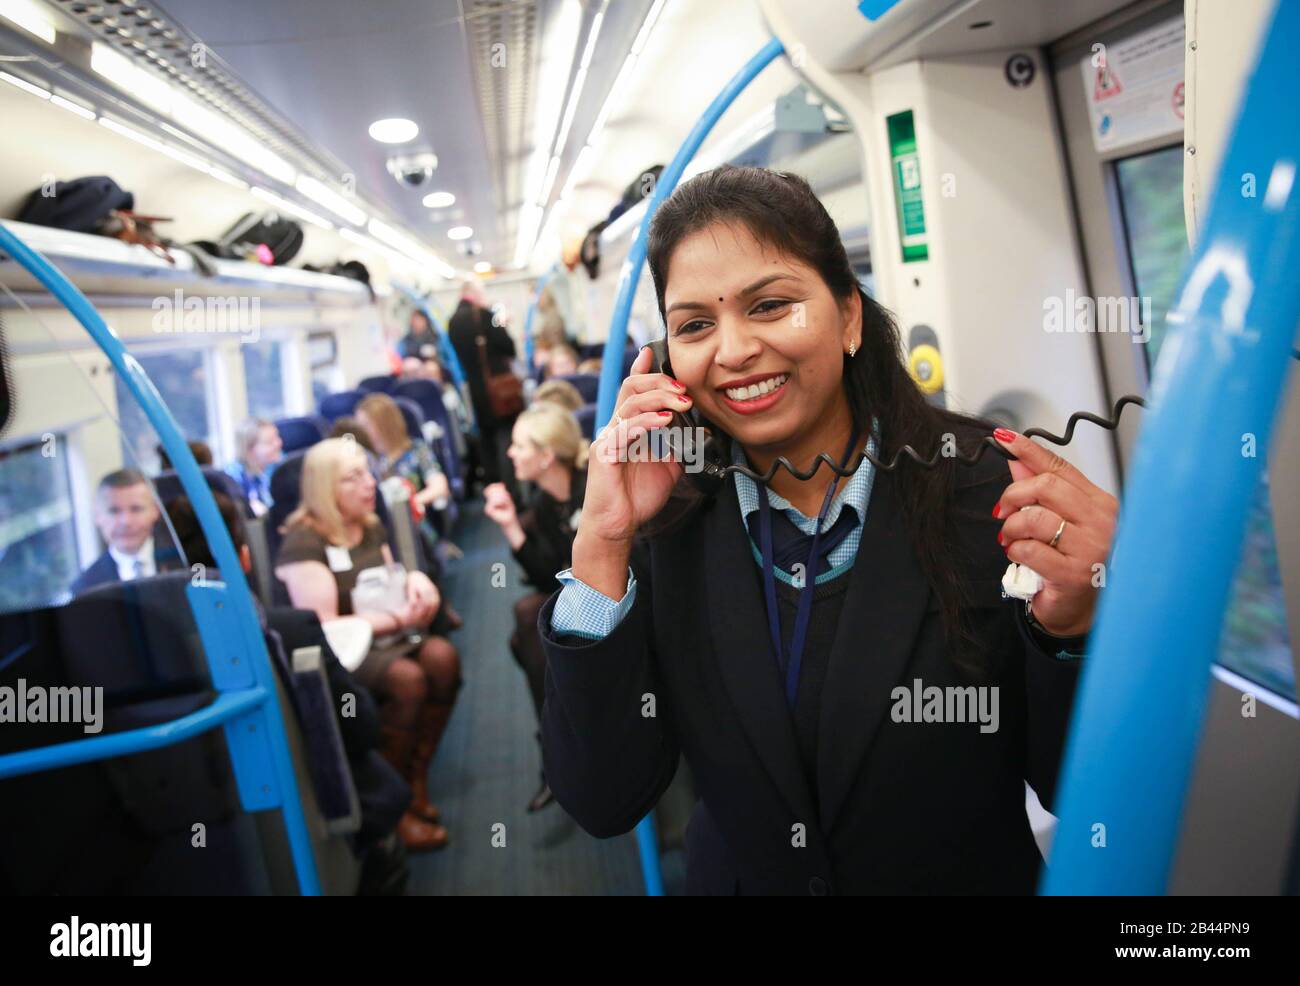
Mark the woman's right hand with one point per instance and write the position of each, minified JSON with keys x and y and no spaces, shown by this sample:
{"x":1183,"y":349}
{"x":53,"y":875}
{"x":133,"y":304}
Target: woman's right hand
{"x":621,"y":494}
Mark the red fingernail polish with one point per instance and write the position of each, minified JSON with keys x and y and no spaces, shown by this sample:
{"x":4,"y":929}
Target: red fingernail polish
{"x":1004,"y":435}
{"x":996,"y":506}
{"x":678,"y":384}
{"x":665,"y":414}
{"x":999,"y":537}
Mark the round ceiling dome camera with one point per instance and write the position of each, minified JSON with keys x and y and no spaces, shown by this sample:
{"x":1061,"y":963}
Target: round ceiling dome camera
{"x":413,"y":170}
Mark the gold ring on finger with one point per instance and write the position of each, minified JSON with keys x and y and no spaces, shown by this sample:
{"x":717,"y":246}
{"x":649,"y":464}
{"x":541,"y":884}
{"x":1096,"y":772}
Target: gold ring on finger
{"x":1057,"y":536}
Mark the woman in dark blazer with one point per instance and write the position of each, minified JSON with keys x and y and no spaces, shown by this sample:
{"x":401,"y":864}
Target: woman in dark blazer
{"x":858,"y":718}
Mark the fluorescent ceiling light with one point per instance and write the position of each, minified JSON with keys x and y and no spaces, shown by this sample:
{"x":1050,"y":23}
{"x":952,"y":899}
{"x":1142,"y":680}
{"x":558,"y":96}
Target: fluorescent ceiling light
{"x":439,"y":200}
{"x":581,"y":168}
{"x":224,"y":133}
{"x":214,"y":128}
{"x":625,"y":73}
{"x":482,"y":267}
{"x":322,"y":194}
{"x":184,"y":157}
{"x":643,"y":36}
{"x":30,"y":17}
{"x":530,"y":221}
{"x":596,"y":22}
{"x":404,"y":244}
{"x":25,"y":86}
{"x":615,"y":95}
{"x":550,"y":180}
{"x":575,"y":95}
{"x":284,"y":205}
{"x":460,"y":232}
{"x":134,"y":81}
{"x":553,"y":77}
{"x":229,"y":179}
{"x":394,"y":130}
{"x":84,"y":112}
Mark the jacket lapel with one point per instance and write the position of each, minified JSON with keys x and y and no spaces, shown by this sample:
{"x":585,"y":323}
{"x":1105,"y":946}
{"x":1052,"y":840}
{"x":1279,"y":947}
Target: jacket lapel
{"x":744,"y":651}
{"x":885,"y":603}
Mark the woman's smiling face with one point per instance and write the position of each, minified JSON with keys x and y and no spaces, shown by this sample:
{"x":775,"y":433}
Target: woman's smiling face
{"x":758,"y":339}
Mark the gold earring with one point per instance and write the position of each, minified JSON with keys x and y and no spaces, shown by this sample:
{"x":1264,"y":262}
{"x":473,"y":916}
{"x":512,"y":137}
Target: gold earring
{"x":853,"y":348}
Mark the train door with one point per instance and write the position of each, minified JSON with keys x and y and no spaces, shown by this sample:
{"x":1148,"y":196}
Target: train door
{"x":1121,"y":98}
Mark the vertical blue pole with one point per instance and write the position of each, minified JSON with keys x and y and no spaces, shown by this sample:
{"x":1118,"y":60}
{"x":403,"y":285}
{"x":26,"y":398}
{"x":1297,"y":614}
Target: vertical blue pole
{"x":1214,"y":400}
{"x":611,"y":370}
{"x":241,"y":611}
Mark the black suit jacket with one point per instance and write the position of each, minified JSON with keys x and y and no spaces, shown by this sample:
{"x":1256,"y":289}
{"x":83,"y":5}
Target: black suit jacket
{"x":464,"y":327}
{"x":102,"y":571}
{"x":902,"y":807}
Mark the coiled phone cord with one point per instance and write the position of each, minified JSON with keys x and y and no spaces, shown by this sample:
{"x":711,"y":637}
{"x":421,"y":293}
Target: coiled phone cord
{"x":988,"y":442}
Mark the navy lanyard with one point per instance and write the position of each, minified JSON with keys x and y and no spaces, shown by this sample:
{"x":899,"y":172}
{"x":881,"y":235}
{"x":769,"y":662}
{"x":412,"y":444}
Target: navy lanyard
{"x":789,"y":666}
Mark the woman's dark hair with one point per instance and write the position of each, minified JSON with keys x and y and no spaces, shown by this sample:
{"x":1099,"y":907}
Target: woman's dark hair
{"x":780,"y":210}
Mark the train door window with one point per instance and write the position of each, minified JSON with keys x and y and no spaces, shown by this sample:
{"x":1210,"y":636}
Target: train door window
{"x":38,"y":536}
{"x":1151,"y":202}
{"x":182,"y":377}
{"x":323,"y":356}
{"x":264,"y":378}
{"x":1255,"y":641}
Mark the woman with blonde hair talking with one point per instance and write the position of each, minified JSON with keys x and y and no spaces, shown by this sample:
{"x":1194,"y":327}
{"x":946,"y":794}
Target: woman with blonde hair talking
{"x":332,"y":541}
{"x":547,"y":448}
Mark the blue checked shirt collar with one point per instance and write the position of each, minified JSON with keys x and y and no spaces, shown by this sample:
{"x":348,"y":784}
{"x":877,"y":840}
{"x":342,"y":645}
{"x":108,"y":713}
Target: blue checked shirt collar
{"x":855,"y":495}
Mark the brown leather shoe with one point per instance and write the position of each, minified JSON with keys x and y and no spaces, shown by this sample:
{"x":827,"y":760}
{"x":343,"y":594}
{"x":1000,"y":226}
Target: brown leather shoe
{"x":417,"y":835}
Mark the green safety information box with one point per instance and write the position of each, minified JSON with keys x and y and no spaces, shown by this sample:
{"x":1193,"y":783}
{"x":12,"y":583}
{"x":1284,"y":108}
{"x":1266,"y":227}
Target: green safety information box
{"x":907,"y":186}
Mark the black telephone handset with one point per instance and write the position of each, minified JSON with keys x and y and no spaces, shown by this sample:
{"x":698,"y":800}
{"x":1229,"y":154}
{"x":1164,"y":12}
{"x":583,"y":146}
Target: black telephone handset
{"x":690,"y":441}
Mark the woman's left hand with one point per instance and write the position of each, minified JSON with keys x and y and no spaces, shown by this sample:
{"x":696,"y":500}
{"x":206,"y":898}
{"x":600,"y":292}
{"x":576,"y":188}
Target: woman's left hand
{"x":1048,"y":495}
{"x":423,"y":595}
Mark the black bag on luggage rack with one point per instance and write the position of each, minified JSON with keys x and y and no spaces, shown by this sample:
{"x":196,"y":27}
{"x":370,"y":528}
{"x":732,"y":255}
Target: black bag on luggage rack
{"x":283,"y":237}
{"x":79,"y":205}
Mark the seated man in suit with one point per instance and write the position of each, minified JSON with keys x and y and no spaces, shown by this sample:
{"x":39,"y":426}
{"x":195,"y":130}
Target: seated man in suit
{"x":127,"y":518}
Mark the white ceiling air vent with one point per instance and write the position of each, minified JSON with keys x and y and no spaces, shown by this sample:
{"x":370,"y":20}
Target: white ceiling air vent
{"x":502,"y":41}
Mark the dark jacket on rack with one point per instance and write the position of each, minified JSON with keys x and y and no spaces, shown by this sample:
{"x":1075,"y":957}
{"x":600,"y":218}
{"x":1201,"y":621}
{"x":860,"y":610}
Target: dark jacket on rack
{"x":893,"y":806}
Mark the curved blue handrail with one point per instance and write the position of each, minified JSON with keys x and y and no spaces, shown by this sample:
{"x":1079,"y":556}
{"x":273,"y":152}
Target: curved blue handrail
{"x":611,"y":370}
{"x":1137,"y":718}
{"x":226,"y":706}
{"x":240,"y":612}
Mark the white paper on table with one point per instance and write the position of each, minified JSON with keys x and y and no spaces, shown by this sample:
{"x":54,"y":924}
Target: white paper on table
{"x":349,"y":637}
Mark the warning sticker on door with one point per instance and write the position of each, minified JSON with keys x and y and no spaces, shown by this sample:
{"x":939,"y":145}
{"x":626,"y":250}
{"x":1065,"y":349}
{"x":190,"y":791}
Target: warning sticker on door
{"x":1134,"y":87}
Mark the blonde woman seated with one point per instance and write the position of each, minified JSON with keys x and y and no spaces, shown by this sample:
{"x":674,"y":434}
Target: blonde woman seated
{"x":547,"y":448}
{"x":330,"y":540}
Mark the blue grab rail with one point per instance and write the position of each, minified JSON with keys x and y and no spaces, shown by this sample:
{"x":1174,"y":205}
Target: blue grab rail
{"x":226,"y":707}
{"x":1218,"y":384}
{"x":254,"y":727}
{"x":611,"y":370}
